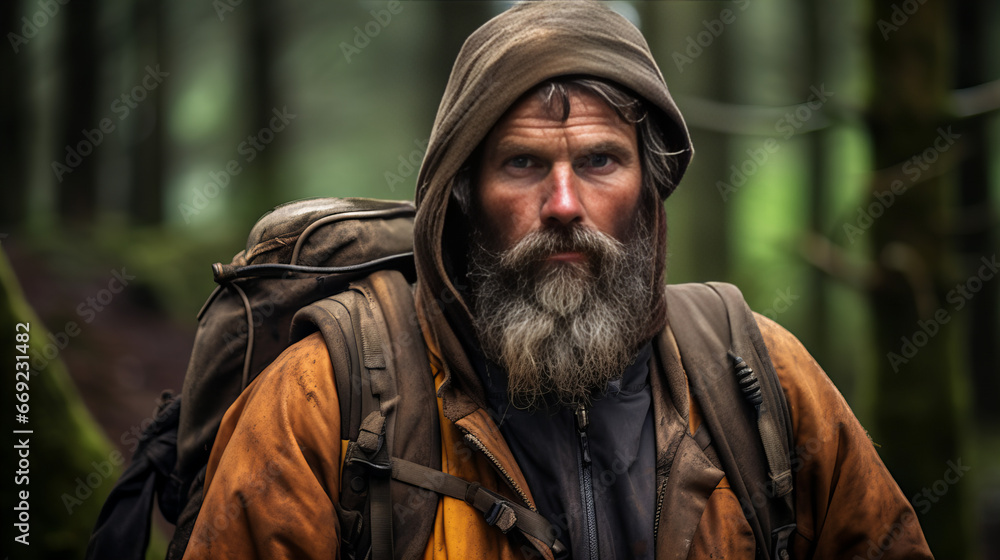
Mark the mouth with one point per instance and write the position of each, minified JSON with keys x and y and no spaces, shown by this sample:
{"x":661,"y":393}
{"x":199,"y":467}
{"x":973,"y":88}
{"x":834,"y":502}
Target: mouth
{"x":567,"y":257}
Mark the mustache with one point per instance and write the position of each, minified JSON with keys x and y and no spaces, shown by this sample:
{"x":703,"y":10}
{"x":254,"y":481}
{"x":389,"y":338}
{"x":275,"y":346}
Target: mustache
{"x":562,"y":330}
{"x":534,"y":248}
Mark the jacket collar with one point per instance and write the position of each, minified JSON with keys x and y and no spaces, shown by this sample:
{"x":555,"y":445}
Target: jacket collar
{"x":685,"y":476}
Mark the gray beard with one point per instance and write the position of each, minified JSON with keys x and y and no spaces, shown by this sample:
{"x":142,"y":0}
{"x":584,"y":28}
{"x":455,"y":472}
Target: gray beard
{"x":562,"y":331}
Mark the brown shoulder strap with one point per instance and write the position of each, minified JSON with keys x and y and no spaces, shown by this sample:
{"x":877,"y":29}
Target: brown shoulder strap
{"x":378,"y":354}
{"x":731,"y":376}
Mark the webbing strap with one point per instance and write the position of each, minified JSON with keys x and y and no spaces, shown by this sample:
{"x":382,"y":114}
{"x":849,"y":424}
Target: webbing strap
{"x":371,"y":432}
{"x":381,"y":517}
{"x":779,"y":466}
{"x":771,"y":435}
{"x":498,"y":511}
{"x":370,"y":450}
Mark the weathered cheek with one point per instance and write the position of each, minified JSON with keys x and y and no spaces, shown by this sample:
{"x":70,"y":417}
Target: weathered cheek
{"x":500,"y":219}
{"x":519,"y":222}
{"x":622,"y":213}
{"x":519,"y":212}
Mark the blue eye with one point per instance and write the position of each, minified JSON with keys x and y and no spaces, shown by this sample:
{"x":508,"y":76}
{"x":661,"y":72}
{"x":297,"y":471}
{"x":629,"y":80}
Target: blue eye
{"x":520,"y":162}
{"x":599,"y":160}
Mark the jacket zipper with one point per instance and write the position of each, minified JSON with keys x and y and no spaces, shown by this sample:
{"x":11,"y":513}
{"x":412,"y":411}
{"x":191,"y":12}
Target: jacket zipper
{"x":659,"y":506}
{"x":587,"y":481}
{"x":510,"y":480}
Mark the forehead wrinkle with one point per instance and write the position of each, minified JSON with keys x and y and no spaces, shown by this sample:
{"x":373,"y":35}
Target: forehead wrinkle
{"x":539,"y":108}
{"x":514,"y":142}
{"x":529,"y":128}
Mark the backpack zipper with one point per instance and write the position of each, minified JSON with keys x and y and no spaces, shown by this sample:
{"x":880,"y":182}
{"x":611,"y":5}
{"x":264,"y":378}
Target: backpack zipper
{"x":586,"y":480}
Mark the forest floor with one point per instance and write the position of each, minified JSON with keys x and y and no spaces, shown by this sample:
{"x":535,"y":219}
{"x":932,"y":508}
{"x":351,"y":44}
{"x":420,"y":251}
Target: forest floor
{"x":127,"y":350}
{"x":122,"y":350}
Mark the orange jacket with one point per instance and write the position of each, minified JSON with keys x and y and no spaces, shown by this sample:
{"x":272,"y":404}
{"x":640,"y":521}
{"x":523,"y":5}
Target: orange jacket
{"x":274,"y":475}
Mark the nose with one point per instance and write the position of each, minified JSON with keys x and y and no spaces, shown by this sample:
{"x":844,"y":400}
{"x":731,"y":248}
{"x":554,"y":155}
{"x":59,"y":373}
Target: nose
{"x":562,"y":205}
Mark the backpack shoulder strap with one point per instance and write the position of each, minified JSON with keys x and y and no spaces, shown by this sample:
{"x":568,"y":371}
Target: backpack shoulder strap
{"x":389,"y":419}
{"x":743,"y":405}
{"x":378,"y":355}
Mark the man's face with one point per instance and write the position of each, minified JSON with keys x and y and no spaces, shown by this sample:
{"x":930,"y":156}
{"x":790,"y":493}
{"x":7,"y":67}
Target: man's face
{"x":562,"y":256}
{"x":539,"y":172}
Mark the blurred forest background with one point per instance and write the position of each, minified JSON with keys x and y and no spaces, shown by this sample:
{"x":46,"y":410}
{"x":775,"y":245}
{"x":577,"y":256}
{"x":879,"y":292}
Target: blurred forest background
{"x":846,"y":178}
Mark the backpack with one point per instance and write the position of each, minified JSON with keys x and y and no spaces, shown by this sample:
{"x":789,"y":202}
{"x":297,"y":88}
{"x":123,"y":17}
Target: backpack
{"x":344,"y":267}
{"x":296,"y":254}
{"x":340,"y":266}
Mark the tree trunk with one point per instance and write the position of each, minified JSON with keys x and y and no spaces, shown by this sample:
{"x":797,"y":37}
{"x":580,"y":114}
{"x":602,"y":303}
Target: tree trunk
{"x":916,"y":420}
{"x":819,"y":149}
{"x":260,"y":189}
{"x":977,"y":223}
{"x":146,"y":146}
{"x":14,"y":108}
{"x":79,"y":136}
{"x":453,"y":23}
{"x":696,"y":207}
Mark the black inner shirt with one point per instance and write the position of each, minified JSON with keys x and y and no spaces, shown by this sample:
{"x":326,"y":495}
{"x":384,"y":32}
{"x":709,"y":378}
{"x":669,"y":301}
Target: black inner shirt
{"x":546,"y":445}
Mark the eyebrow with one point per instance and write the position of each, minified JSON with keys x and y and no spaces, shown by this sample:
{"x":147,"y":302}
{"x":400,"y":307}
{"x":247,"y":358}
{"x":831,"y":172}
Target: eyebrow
{"x":612,"y":147}
{"x":507,"y":148}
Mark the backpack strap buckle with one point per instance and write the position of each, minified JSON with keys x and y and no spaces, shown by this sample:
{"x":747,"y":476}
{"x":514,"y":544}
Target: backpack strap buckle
{"x":371,"y":435}
{"x":369,"y":449}
{"x":780,"y":484}
{"x":501,"y":515}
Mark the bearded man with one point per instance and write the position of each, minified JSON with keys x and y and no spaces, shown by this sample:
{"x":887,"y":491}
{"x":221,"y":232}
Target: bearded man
{"x":540,"y":242}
